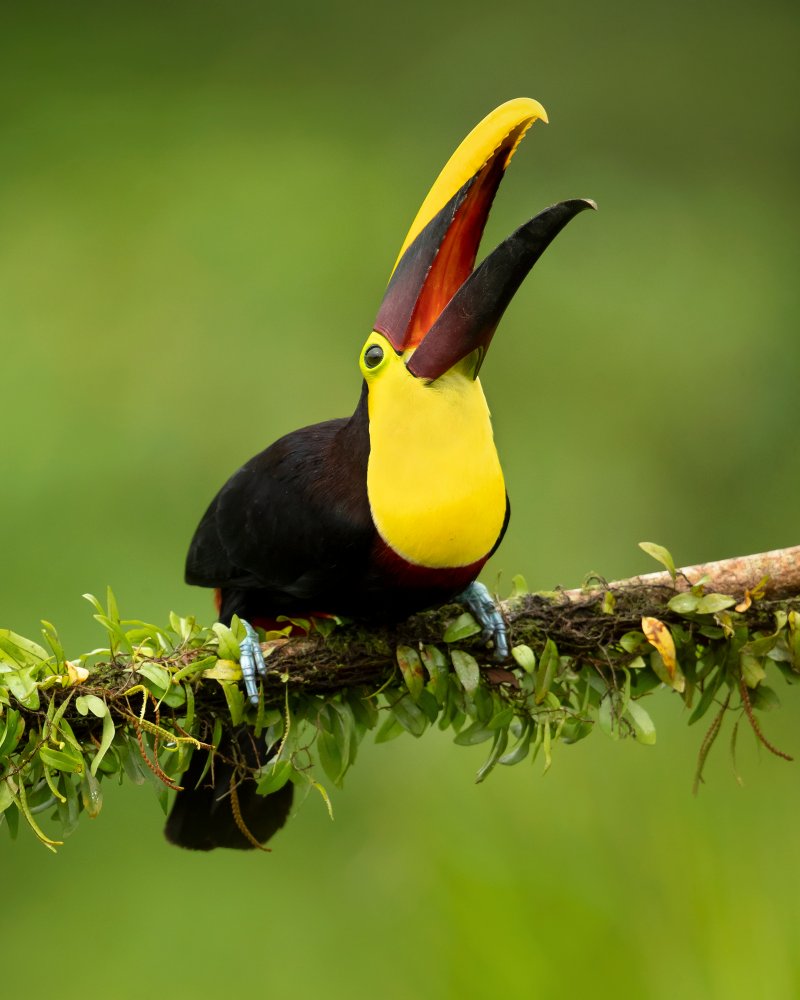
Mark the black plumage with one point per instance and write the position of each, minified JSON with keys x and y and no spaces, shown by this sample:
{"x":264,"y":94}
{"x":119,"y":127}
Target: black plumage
{"x":291,"y":531}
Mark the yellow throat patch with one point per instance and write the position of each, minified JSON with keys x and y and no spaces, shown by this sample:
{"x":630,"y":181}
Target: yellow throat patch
{"x":434,"y":481}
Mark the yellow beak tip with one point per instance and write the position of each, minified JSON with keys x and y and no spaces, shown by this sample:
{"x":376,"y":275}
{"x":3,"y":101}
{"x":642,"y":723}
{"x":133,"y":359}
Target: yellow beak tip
{"x":474,"y":151}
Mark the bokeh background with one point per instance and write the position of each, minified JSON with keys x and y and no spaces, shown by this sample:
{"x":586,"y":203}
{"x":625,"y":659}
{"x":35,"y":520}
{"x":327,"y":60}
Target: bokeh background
{"x":199,"y":206}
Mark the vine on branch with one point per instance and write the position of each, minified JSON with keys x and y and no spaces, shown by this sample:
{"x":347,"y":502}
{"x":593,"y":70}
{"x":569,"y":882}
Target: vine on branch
{"x":582,"y":661}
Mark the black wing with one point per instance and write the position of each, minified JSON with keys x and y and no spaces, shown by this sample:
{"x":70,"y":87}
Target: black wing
{"x":294,"y":521}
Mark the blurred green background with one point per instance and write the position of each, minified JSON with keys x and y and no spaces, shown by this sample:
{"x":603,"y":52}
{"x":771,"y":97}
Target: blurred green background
{"x":199,"y":206}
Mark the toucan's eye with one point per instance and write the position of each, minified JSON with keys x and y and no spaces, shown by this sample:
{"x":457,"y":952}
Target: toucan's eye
{"x":373,"y":356}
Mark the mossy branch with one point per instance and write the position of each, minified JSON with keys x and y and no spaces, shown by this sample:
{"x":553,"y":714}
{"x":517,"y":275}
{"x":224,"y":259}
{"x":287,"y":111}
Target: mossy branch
{"x":582,"y":660}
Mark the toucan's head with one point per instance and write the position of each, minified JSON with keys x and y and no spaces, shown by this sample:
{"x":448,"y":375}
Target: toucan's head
{"x":438,"y":315}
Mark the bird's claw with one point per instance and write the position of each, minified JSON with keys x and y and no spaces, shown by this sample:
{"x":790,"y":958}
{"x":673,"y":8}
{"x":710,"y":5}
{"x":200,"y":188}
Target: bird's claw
{"x":479,"y":601}
{"x":251,"y":660}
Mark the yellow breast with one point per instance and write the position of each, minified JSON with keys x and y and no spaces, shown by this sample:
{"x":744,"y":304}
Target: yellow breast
{"x":434,"y":481}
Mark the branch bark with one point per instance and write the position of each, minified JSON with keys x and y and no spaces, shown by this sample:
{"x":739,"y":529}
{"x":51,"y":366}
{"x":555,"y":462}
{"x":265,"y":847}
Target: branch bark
{"x":780,"y":568}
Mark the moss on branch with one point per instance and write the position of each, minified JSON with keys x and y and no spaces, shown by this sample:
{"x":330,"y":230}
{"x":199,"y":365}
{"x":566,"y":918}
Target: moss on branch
{"x":582,"y":661}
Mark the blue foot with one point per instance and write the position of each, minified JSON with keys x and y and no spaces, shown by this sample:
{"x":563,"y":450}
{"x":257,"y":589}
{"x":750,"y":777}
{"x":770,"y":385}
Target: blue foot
{"x":251,"y":660}
{"x":479,"y":601}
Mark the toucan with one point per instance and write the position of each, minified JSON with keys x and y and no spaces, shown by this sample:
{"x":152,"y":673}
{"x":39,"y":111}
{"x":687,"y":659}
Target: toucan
{"x":396,"y":508}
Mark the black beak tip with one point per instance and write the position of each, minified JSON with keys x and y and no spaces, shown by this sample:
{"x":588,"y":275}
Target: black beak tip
{"x":581,"y":204}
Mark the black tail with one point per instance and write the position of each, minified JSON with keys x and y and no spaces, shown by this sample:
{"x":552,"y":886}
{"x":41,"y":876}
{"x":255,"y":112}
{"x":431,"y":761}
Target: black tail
{"x":203,"y":818}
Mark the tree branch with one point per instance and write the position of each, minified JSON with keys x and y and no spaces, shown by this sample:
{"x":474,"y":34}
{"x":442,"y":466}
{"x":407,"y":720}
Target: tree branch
{"x":780,"y":569}
{"x":582,"y":660}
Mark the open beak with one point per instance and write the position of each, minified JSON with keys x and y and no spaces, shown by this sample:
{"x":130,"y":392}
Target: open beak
{"x":436,"y":306}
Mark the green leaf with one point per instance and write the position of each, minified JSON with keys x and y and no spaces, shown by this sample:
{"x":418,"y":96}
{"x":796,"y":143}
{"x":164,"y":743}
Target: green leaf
{"x":91,"y":703}
{"x":235,"y":699}
{"x":467,"y":669}
{"x":59,"y":713}
{"x":216,"y":738}
{"x":643,"y":726}
{"x":62,"y":760}
{"x":159,"y":681}
{"x":761,"y":645}
{"x":111,"y":605}
{"x":548,"y":663}
{"x":337,"y":741}
{"x":11,"y":818}
{"x":793,"y":639}
{"x":52,"y":640}
{"x":197,"y":667}
{"x":157,"y":674}
{"x":575,"y":730}
{"x":710,"y":604}
{"x":95,"y":603}
{"x":606,"y":717}
{"x":439,"y":671}
{"x":11,"y":733}
{"x":116,"y":634}
{"x":365,"y":711}
{"x":24,"y":808}
{"x":66,"y":733}
{"x":69,"y":810}
{"x":410,"y":716}
{"x":23,"y":687}
{"x":764,"y":699}
{"x":660,"y":554}
{"x":6,"y":798}
{"x":131,"y":761}
{"x":326,"y":626}
{"x":304,"y":624}
{"x":631,"y":642}
{"x":184,"y":628}
{"x":175,"y":696}
{"x":463,"y":627}
{"x":753,"y":670}
{"x":502,"y":719}
{"x":498,"y":749}
{"x":429,"y":705}
{"x":227,"y":644}
{"x":330,"y":757}
{"x":91,"y":795}
{"x":17,"y":651}
{"x":521,"y":748}
{"x":389,"y":730}
{"x":712,"y":685}
{"x":484,"y":705}
{"x":675,"y":679}
{"x":524,"y":657}
{"x":780,"y":651}
{"x":478,"y":732}
{"x":790,"y":675}
{"x":411,"y":667}
{"x":274,"y":777}
{"x":52,"y":782}
{"x":105,"y":741}
{"x":683,"y":604}
{"x":546,"y":744}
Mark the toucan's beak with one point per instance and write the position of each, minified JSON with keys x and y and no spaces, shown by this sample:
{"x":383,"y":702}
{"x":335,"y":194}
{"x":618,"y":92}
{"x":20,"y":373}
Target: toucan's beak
{"x":435,"y":303}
